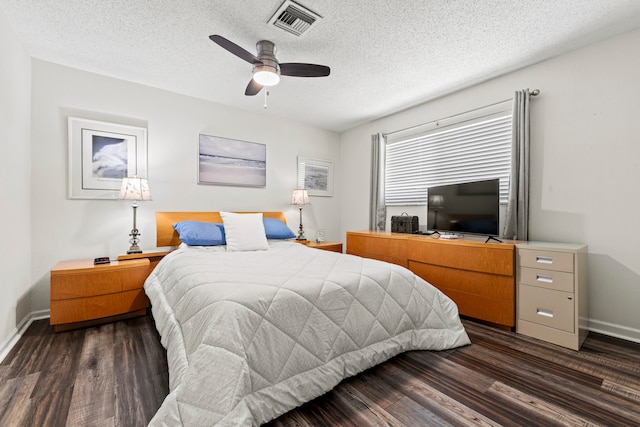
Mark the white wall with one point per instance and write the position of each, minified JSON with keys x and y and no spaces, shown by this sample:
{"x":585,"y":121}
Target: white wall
{"x":15,"y":250}
{"x":585,"y":155}
{"x":65,"y":229}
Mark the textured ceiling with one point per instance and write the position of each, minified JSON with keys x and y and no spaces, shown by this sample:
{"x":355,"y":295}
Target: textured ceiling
{"x":385,"y":55}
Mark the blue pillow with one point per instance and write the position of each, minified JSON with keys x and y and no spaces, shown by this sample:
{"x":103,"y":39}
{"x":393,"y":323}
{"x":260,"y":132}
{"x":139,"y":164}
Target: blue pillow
{"x":197,"y":233}
{"x":277,"y":229}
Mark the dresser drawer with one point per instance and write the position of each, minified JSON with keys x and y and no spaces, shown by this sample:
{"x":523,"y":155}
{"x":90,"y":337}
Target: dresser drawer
{"x":547,"y":260}
{"x":396,"y":247}
{"x":546,"y":307}
{"x":383,"y":247}
{"x":463,"y":255}
{"x":549,"y":279}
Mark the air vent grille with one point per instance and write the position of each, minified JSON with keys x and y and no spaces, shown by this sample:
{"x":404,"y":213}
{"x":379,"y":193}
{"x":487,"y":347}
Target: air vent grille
{"x":294,"y":18}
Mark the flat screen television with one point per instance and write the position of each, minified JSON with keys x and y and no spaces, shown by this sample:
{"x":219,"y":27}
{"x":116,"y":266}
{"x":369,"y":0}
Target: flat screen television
{"x":469,"y":207}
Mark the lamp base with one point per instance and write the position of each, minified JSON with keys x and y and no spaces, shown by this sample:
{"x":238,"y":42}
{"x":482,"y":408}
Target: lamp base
{"x":134,"y":250}
{"x":301,"y":230}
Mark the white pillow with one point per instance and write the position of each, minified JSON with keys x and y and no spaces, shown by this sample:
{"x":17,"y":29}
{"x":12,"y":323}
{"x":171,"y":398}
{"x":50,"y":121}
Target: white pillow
{"x":244,"y":232}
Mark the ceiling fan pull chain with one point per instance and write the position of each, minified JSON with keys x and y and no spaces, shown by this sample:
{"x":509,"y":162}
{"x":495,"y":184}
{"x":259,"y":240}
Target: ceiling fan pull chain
{"x":266,"y":93}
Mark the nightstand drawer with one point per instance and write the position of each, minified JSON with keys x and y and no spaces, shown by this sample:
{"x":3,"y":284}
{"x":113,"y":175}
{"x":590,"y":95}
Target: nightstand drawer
{"x":549,"y":279}
{"x":81,"y":309}
{"x":98,"y":280}
{"x":547,"y":260}
{"x":546,"y":307}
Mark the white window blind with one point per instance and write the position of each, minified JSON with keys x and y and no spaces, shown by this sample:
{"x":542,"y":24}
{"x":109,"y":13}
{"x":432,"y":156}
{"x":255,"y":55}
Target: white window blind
{"x":469,"y":147}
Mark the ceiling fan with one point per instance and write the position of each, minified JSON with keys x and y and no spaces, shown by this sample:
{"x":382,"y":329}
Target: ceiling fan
{"x":266,"y":68}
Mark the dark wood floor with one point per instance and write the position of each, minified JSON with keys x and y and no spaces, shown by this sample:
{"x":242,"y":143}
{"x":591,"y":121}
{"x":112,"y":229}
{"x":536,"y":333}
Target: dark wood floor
{"x":116,"y":375}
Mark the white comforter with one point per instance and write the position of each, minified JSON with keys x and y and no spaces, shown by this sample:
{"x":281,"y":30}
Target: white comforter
{"x":251,"y":335}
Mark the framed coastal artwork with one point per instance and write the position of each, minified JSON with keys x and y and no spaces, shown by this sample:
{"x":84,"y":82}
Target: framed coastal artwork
{"x":224,"y":161}
{"x":101,"y":154}
{"x":316,"y":176}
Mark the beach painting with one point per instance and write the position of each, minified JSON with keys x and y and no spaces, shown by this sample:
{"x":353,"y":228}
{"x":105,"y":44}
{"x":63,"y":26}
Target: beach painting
{"x":224,"y":161}
{"x":316,"y":176}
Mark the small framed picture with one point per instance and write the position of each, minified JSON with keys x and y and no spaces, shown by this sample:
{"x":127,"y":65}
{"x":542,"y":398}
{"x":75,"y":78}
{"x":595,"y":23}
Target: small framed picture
{"x":101,"y":154}
{"x":316,"y":176}
{"x":224,"y":161}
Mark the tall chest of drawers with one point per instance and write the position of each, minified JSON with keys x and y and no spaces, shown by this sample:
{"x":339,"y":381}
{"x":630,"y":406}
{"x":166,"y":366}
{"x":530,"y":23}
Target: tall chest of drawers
{"x":552,"y":295}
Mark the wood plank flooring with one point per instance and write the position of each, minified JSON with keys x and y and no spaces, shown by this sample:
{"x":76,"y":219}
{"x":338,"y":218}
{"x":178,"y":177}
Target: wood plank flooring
{"x":116,"y":375}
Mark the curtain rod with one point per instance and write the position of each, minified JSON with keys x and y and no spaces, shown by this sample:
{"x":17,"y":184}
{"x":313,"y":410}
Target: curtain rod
{"x":534,"y":92}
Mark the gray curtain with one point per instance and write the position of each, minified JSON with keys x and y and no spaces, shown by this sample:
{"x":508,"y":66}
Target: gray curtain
{"x":377,"y":208}
{"x":517,"y":217}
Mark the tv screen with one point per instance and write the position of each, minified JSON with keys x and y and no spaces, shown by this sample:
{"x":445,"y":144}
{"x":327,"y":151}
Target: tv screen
{"x":470,"y":207}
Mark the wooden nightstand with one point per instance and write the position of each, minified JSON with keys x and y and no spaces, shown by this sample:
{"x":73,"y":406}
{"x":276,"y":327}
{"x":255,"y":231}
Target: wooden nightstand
{"x":84,"y":294}
{"x":153,"y":257}
{"x":327,"y":246}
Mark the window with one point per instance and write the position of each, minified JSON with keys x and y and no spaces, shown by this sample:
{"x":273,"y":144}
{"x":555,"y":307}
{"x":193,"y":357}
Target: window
{"x":467,"y":147}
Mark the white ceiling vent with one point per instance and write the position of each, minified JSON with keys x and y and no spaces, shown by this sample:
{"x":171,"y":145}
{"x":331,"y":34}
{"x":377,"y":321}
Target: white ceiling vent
{"x":294,"y":18}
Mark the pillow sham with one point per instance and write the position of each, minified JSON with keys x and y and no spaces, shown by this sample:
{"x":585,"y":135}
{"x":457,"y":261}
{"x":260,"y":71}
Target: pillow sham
{"x":244,"y":232}
{"x":276,"y":229}
{"x":198,"y":233}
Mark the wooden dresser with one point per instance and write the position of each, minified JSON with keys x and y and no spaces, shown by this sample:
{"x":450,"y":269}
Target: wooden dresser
{"x":478,"y":276}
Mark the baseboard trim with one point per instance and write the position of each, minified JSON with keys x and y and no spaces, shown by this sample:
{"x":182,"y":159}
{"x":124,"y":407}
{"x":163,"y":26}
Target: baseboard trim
{"x":20,"y":329}
{"x":604,"y":328}
{"x":613,"y":330}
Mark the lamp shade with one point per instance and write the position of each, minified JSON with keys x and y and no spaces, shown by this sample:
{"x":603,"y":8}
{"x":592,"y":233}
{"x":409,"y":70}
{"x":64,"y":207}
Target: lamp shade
{"x":436,"y":201}
{"x":300,"y":197}
{"x":134,"y":188}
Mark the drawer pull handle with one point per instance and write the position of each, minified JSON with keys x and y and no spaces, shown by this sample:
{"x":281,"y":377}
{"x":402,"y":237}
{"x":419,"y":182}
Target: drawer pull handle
{"x":546,"y":279}
{"x":544,"y":259}
{"x":543,"y":312}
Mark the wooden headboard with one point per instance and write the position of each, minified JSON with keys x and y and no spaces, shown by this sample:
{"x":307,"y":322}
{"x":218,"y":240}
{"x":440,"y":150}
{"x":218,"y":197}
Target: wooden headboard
{"x":167,"y":236}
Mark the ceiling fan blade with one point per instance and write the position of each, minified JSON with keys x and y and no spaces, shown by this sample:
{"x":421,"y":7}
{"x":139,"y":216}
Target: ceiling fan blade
{"x":297,"y":69}
{"x":235,"y":49}
{"x":253,"y":88}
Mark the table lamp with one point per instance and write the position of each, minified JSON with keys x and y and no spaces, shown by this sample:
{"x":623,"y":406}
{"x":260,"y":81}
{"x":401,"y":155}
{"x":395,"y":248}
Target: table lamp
{"x":299,"y":198}
{"x":136,"y":189}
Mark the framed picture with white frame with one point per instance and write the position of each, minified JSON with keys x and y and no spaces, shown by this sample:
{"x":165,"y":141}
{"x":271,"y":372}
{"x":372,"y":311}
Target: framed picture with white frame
{"x":316,"y":176}
{"x":101,"y":154}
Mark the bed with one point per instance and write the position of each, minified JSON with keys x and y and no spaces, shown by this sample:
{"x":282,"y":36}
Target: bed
{"x":252,"y":334}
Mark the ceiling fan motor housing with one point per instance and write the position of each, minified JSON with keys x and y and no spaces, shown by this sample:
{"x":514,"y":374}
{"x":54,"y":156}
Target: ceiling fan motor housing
{"x":267,"y":55}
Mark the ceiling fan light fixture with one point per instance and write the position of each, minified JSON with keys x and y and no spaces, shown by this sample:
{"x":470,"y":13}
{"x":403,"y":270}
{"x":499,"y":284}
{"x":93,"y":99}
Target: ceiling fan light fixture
{"x":266,"y":76}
